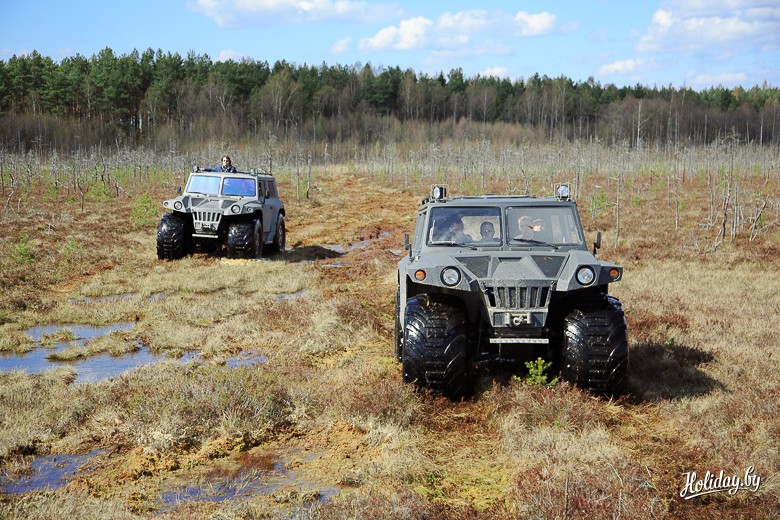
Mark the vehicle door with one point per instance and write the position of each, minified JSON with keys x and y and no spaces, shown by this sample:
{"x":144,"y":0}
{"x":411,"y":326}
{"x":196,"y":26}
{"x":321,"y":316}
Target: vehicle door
{"x":274,"y":204}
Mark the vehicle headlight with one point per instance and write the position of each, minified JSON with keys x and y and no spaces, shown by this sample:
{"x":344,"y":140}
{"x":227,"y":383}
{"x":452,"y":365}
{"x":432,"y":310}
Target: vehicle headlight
{"x":585,"y":275}
{"x":235,"y":208}
{"x":450,"y":276}
{"x":178,"y":205}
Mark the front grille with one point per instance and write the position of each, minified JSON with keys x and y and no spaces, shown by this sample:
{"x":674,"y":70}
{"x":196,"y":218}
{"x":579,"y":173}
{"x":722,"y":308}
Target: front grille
{"x":207,"y":216}
{"x":516,"y":298}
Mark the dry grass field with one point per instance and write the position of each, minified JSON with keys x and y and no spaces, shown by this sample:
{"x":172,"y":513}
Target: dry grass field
{"x":321,"y":424}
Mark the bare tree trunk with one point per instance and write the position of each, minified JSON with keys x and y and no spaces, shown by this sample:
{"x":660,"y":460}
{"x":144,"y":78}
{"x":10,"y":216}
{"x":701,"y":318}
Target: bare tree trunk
{"x":617,"y":207}
{"x":676,"y":194}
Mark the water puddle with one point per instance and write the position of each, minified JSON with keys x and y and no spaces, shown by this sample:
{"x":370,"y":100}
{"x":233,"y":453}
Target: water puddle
{"x":337,"y":264}
{"x":80,"y":333}
{"x":362,"y":244}
{"x":291,"y":296}
{"x":335,"y":248}
{"x":49,"y":473}
{"x":49,"y":340}
{"x":245,"y":481}
{"x":242,"y":360}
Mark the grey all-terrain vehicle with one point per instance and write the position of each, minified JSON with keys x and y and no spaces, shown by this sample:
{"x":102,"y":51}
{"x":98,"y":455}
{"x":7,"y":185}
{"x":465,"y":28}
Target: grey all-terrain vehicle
{"x":240,"y":211}
{"x":506,"y":278}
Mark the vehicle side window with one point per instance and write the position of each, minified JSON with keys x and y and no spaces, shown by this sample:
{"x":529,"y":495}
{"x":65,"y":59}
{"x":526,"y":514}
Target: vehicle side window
{"x":272,"y":189}
{"x":263,"y":187}
{"x":419,"y":233}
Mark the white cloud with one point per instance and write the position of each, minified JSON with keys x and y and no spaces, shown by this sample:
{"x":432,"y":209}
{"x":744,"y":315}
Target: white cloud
{"x":463,"y":32}
{"x":486,"y":48}
{"x":464,"y":22}
{"x":621,"y":67}
{"x":248,"y":13}
{"x":452,"y":41}
{"x":229,"y":54}
{"x":408,"y":35}
{"x":711,"y":80}
{"x":341,"y":46}
{"x":709,"y":7}
{"x":495,"y":72}
{"x":570,"y":27}
{"x":534,"y":24}
{"x":18,"y":53}
{"x":704,"y":26}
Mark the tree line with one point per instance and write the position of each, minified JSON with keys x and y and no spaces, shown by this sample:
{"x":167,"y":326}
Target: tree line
{"x":155,"y":97}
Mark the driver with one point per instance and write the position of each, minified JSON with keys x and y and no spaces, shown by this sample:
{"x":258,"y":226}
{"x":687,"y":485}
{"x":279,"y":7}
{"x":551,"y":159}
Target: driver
{"x":525,"y":227}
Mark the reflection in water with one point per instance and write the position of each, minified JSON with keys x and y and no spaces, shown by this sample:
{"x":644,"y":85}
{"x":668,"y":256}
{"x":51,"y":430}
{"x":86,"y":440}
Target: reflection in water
{"x":49,"y":473}
{"x":300,"y":293}
{"x":217,"y":487}
{"x":88,"y":369}
{"x":99,"y":366}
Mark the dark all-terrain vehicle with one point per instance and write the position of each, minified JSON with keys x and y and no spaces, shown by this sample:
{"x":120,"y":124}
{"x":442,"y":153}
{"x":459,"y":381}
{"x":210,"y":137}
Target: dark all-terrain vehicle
{"x":506,"y":278}
{"x":240,"y":211}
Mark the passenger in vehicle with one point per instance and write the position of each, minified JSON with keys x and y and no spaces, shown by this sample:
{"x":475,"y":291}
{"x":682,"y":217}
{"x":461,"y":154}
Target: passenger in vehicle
{"x":487,"y":232}
{"x":226,"y":166}
{"x":453,"y":231}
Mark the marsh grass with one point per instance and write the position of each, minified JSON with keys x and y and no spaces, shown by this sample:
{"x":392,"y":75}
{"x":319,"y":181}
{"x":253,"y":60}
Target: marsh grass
{"x":62,"y":335}
{"x":65,"y":503}
{"x":40,"y":409}
{"x":116,"y":343}
{"x":702,"y":341}
{"x":14,"y":339}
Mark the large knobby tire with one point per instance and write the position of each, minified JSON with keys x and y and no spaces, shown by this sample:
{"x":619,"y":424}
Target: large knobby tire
{"x":172,"y":238}
{"x":244,"y":240}
{"x":435,"y":347}
{"x":280,"y":237}
{"x":595,"y":346}
{"x":399,"y":331}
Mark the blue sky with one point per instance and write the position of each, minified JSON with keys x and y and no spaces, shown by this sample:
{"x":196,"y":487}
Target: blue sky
{"x":694,"y":43}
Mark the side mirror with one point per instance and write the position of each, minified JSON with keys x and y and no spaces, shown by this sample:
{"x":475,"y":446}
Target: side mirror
{"x":407,"y":244}
{"x":178,"y":190}
{"x":267,"y":194}
{"x":597,"y":243}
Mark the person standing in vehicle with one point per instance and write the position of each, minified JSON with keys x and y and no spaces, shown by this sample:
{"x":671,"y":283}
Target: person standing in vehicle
{"x":226,"y":166}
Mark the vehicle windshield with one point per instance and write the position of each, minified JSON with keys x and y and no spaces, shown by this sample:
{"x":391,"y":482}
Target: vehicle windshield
{"x":543,"y":225}
{"x":231,"y":186}
{"x":474,"y":226}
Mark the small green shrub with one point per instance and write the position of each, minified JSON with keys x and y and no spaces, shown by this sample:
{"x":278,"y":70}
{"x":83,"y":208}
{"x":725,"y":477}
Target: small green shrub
{"x":599,"y":203}
{"x":72,"y":249}
{"x":143,"y":211}
{"x":50,"y":195}
{"x":100,"y":194}
{"x":21,"y":251}
{"x":536,"y":373}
